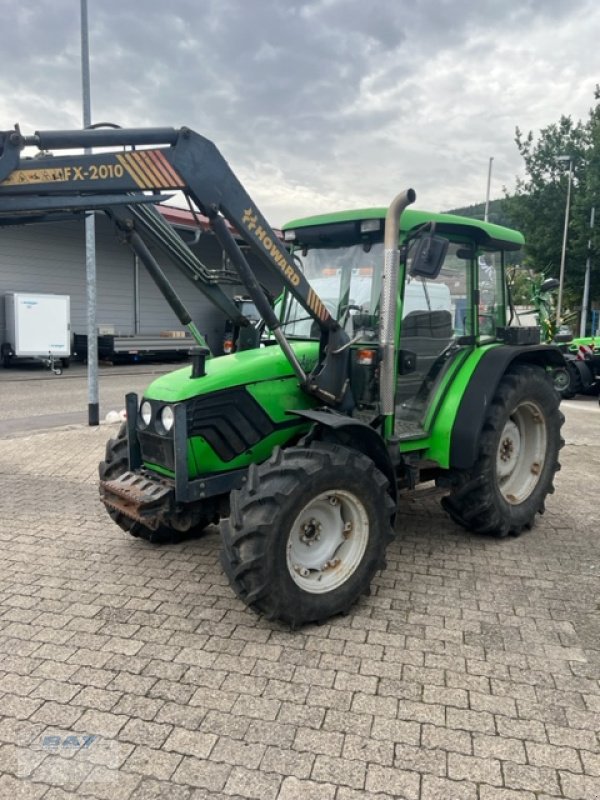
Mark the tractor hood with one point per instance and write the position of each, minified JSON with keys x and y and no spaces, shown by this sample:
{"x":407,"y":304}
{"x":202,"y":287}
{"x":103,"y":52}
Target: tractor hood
{"x":225,"y":372}
{"x":236,"y":413}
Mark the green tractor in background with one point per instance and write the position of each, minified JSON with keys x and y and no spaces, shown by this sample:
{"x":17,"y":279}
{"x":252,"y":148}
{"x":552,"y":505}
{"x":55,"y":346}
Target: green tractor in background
{"x":582,"y":354}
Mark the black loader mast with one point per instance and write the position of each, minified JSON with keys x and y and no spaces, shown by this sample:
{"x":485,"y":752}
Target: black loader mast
{"x":34,"y":189}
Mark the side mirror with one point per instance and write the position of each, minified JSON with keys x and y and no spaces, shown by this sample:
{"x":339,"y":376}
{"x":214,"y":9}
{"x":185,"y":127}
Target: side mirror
{"x":549,"y":285}
{"x":428,"y":256}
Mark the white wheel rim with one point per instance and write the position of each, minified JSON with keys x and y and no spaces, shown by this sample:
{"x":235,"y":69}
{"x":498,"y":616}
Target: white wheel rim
{"x":521,"y":452}
{"x":327,"y":541}
{"x":562,"y":380}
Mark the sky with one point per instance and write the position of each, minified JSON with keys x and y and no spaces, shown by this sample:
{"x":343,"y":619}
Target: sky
{"x":317,"y":105}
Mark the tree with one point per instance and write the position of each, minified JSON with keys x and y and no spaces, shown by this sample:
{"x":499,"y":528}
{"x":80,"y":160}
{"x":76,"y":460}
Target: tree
{"x":537,"y":206}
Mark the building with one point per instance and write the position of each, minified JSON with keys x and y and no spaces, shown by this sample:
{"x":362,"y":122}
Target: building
{"x":50,"y":257}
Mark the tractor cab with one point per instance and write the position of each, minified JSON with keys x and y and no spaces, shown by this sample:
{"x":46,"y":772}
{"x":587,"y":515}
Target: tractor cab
{"x":445,"y":307}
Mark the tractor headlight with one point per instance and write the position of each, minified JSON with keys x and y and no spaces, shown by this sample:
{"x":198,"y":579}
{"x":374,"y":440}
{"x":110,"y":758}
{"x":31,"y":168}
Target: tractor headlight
{"x":146,"y":412}
{"x":167,"y":418}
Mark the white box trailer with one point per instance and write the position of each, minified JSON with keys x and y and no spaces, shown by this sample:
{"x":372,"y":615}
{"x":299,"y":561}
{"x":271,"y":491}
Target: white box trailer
{"x":37,"y":326}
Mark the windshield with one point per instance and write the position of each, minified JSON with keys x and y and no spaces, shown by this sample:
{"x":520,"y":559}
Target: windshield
{"x":347,"y":279}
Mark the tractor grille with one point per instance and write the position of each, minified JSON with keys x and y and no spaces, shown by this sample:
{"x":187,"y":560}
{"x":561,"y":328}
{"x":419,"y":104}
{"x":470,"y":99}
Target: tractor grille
{"x":230,"y":421}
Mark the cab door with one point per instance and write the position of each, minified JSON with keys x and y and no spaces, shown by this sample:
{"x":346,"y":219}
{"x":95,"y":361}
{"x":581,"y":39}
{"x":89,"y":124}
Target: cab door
{"x":436,"y":327}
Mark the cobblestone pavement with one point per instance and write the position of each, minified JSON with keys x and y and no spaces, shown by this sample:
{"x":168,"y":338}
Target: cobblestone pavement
{"x":131,"y":671}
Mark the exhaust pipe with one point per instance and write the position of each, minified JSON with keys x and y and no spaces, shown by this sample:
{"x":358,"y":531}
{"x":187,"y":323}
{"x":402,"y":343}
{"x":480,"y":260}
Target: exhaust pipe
{"x":389,"y":301}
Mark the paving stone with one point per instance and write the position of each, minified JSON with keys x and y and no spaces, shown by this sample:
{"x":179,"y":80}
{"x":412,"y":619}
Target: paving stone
{"x":470,"y":672}
{"x":18,"y":789}
{"x":313,"y":741}
{"x":398,"y":783}
{"x":499,"y":747}
{"x":221,"y":724}
{"x":591,"y":763}
{"x":253,"y":784}
{"x":448,"y":739}
{"x":547,"y":755}
{"x":234,"y":752}
{"x":360,"y":748}
{"x":494,"y":793}
{"x":139,"y":731}
{"x":530,"y":778}
{"x":473,"y":768}
{"x":287,"y":762}
{"x":435,"y":788}
{"x":177,"y":714}
{"x":192,"y":743}
{"x":294,"y":789}
{"x":340,"y":771}
{"x":579,"y":787}
{"x":153,"y":763}
{"x":200,"y":772}
{"x":134,"y":706}
{"x":346,"y":722}
{"x":107,"y":784}
{"x":151,"y":789}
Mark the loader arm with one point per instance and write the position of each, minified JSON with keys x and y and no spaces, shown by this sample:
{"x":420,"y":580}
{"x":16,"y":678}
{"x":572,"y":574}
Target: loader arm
{"x":172,"y":159}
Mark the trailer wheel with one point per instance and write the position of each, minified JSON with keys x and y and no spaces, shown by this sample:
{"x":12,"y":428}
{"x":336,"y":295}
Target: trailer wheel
{"x":116,"y":463}
{"x":518,"y":458}
{"x":307,"y":533}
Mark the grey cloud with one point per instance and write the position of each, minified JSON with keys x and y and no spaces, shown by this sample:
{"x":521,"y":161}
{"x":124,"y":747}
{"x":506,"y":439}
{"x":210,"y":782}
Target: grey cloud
{"x":343,"y":96}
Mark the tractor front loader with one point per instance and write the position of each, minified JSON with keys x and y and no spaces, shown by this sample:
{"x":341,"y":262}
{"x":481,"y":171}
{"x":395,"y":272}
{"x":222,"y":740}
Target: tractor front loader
{"x":386,"y":362}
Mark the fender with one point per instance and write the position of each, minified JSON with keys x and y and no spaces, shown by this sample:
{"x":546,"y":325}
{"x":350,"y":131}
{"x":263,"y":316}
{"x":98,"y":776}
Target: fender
{"x":357,"y":434}
{"x":584,"y":368}
{"x":480,"y":391}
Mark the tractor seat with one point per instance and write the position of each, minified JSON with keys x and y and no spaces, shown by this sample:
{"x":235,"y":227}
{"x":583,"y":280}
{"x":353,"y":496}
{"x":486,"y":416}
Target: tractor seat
{"x":428,"y":324}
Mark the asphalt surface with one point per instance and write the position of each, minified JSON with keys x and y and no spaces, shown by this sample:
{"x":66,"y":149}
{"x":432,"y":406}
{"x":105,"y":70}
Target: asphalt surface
{"x":32,"y":398}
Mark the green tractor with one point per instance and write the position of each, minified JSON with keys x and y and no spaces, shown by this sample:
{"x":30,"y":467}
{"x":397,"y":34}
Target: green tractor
{"x":385,"y":363}
{"x":581,"y":373}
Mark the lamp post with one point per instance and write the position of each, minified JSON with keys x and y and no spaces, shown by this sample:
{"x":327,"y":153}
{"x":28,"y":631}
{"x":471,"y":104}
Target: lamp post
{"x":487,"y":193}
{"x":90,"y":239}
{"x":561,"y":277}
{"x":586,"y":281}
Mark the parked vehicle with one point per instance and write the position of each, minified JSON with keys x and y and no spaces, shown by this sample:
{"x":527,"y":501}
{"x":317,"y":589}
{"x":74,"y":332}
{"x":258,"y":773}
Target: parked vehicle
{"x":300,"y":446}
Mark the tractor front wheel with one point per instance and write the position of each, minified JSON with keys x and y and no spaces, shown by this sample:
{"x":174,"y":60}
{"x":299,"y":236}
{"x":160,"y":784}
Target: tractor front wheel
{"x":518,"y":457}
{"x":307,"y":533}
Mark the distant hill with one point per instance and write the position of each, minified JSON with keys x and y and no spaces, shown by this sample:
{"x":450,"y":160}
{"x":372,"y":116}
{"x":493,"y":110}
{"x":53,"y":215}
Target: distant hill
{"x":496,"y":212}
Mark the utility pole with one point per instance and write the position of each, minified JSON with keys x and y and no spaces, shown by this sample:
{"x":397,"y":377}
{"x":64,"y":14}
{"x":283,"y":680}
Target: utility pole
{"x":586,"y":282}
{"x":563,"y":256}
{"x":487,"y":193}
{"x":90,"y":238}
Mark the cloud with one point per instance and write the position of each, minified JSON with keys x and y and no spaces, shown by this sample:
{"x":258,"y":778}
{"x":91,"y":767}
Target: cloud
{"x":317,"y":104}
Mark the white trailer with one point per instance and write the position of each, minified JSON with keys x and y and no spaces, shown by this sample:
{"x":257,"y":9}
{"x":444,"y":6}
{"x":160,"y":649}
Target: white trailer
{"x":37,"y":326}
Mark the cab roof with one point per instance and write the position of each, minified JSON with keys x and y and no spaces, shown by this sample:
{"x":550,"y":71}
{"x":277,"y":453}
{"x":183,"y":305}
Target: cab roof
{"x":485,"y":234}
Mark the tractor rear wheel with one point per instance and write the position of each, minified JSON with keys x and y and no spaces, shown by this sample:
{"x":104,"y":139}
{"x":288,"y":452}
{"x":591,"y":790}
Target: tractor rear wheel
{"x":518,"y":457}
{"x":116,"y":463}
{"x":307,"y":533}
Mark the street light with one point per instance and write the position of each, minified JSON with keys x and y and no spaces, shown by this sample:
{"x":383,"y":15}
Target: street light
{"x":561,"y":278}
{"x":487,"y":193}
{"x":586,"y":281}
